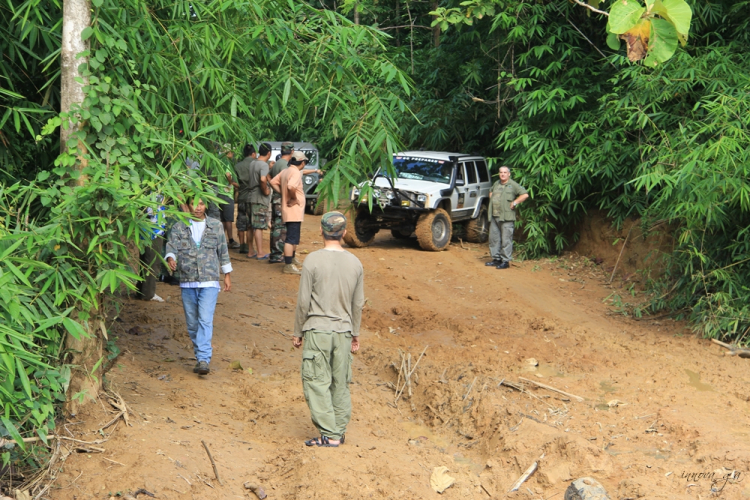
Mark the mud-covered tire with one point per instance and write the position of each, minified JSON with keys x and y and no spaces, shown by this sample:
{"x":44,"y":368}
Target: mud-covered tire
{"x":434,"y":230}
{"x":478,"y":230}
{"x":356,"y":235}
{"x":319,"y":209}
{"x":399,"y":235}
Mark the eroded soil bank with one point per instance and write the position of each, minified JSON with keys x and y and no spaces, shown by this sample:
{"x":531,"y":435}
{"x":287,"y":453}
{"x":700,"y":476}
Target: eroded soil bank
{"x":658,"y":405}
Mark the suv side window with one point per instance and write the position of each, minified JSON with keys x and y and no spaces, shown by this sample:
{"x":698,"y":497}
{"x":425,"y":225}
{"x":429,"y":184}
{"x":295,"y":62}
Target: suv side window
{"x":460,"y":172}
{"x":484,"y":175}
{"x":471,"y":174}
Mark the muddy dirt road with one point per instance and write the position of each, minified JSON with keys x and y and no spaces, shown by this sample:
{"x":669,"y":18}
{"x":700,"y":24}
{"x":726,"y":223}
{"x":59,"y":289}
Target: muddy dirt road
{"x":659,"y":404}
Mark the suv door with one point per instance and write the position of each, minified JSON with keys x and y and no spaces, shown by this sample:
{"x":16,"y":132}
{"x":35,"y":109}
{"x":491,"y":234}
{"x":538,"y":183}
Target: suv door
{"x":472,"y":187}
{"x":458,"y":198}
{"x":485,"y":185}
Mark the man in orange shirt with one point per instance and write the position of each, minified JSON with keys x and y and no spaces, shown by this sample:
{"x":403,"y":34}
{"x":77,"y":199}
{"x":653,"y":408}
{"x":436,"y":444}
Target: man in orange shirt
{"x":288,"y":184}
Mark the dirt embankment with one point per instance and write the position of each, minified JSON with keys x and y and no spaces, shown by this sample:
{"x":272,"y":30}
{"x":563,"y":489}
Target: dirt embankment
{"x":659,"y":404}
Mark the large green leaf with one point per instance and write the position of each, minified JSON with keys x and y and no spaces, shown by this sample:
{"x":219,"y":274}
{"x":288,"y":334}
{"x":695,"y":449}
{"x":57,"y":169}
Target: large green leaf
{"x":624,"y":14}
{"x":613,"y":41}
{"x":663,"y":42}
{"x":680,"y":13}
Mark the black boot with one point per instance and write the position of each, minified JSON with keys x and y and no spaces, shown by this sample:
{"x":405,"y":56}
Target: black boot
{"x":503,"y":265}
{"x":493,"y":263}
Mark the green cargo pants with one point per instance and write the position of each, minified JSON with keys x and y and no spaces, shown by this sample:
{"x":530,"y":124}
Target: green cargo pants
{"x":326,"y":375}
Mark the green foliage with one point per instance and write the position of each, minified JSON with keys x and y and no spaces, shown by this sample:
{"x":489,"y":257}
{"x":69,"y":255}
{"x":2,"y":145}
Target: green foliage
{"x":164,"y":82}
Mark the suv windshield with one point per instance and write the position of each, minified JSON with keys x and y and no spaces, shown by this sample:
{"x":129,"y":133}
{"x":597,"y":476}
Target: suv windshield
{"x":423,"y":169}
{"x":312,"y":154}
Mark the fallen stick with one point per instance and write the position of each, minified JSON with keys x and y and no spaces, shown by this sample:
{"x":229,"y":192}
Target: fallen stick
{"x":470,"y":388}
{"x":523,"y":478}
{"x":213,"y":464}
{"x":550,"y":388}
{"x":408,"y":373}
{"x":114,"y":461}
{"x":723,"y":344}
{"x":620,"y":256}
{"x":4,"y":442}
{"x":733,"y":350}
{"x":436,"y":413}
{"x":520,"y":389}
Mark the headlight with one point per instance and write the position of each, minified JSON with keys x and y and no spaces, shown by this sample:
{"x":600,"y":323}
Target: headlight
{"x":422,"y":197}
{"x":308,"y":180}
{"x":389,"y":195}
{"x":376,"y":193}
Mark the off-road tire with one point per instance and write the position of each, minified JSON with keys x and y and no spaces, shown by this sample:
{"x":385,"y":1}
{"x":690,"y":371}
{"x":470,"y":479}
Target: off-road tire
{"x":434,"y":230}
{"x":319,"y":208}
{"x":363,"y":237}
{"x":478,"y":230}
{"x":396,"y":233}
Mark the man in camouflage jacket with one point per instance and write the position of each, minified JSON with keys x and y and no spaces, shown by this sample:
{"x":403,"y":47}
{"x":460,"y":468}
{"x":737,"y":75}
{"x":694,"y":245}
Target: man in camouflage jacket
{"x":199,"y":250}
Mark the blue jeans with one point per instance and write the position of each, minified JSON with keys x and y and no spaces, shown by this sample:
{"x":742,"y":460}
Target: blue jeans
{"x":199,"y":305}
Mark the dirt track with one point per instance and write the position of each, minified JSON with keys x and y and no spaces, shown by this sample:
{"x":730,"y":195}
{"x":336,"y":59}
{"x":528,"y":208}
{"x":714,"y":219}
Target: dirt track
{"x":683,"y":404}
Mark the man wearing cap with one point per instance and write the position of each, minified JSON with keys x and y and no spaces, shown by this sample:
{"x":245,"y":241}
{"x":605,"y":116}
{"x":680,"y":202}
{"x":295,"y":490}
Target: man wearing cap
{"x":288,"y":183}
{"x":505,"y":196}
{"x":278,"y":228}
{"x":260,"y":199}
{"x":328,"y":315}
{"x":242,"y":169}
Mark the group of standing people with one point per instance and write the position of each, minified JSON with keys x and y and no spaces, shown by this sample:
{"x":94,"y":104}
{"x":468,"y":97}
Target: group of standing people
{"x":271,"y":195}
{"x":331,"y":291}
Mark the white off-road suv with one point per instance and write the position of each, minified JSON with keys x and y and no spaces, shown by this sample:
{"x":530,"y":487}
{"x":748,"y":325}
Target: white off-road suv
{"x":430,"y":192}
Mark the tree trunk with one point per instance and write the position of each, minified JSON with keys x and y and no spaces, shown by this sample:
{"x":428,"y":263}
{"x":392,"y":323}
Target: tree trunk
{"x":83,"y":353}
{"x":356,"y":13}
{"x":76,"y":17}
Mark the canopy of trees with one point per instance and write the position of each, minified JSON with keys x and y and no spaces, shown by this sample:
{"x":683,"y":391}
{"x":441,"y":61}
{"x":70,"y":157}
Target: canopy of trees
{"x":594,"y":104}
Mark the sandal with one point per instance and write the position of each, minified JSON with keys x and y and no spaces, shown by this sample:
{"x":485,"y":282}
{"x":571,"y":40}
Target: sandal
{"x":321,"y":441}
{"x":251,"y":256}
{"x":264,"y":257}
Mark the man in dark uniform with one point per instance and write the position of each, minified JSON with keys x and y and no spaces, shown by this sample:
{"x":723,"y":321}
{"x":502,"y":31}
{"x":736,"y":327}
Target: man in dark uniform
{"x":242,"y":169}
{"x":278,"y":228}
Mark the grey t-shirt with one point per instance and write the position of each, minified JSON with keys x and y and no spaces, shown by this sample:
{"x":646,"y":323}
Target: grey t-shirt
{"x":258,"y":171}
{"x":331,"y":293}
{"x":243,"y":171}
{"x":280,"y":165}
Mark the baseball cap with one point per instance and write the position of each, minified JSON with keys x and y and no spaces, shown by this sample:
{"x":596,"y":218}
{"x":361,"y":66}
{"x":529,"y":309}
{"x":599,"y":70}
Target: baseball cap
{"x":333,"y":223}
{"x":298,"y":157}
{"x":287,"y":147}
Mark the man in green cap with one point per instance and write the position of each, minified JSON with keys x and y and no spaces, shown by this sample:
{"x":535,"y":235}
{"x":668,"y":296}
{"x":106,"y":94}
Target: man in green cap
{"x":278,"y":228}
{"x":328,"y":315}
{"x":505,"y":196}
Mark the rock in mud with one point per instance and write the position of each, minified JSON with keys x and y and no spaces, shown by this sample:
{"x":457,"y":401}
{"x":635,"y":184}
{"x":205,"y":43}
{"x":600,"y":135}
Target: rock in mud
{"x":256,"y":488}
{"x":586,"y":488}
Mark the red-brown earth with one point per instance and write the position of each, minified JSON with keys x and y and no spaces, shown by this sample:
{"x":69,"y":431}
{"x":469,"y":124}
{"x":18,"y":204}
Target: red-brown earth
{"x":659,"y":403}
